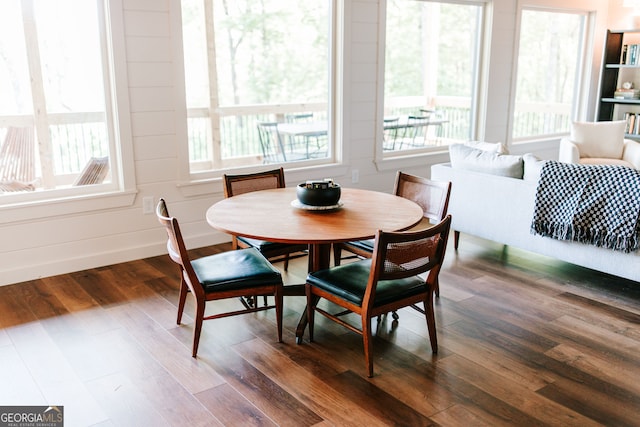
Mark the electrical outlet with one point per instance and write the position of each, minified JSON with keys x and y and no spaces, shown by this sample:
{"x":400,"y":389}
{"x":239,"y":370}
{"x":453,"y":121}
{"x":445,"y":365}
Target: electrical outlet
{"x":147,"y":205}
{"x":355,"y":176}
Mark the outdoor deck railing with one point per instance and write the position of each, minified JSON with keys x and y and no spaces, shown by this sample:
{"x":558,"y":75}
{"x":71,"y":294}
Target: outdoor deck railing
{"x":76,"y":137}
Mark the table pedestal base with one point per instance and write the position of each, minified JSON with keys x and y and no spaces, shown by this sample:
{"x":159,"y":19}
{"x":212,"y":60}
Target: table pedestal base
{"x":319,"y":259}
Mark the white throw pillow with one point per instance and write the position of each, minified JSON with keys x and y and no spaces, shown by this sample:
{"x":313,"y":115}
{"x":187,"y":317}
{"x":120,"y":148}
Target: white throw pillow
{"x":464,"y":157}
{"x":599,"y":139}
{"x":492,"y":147}
{"x":532,"y":167}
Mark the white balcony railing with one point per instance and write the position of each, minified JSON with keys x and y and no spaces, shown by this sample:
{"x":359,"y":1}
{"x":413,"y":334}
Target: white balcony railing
{"x":77,"y":137}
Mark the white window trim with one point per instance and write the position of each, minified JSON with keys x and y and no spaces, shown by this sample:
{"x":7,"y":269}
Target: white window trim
{"x":201,"y":183}
{"x":587,"y":91}
{"x":392,"y":161}
{"x":41,"y":204}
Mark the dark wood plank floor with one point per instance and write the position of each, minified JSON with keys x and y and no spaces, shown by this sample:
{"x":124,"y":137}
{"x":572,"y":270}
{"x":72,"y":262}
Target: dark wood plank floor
{"x":524,"y":341}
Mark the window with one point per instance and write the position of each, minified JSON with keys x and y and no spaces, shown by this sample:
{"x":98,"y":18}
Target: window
{"x":551,"y":48}
{"x":257,"y":79}
{"x":431,"y":74}
{"x":56,"y":124}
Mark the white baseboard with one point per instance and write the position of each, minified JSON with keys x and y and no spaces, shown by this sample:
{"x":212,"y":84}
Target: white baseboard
{"x":38,"y":270}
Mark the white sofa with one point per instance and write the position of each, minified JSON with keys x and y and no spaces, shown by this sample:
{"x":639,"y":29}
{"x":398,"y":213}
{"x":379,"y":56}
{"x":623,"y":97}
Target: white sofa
{"x":500,"y":208}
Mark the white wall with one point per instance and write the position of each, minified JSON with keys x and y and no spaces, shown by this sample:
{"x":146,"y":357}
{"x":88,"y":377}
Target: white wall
{"x":622,"y":18}
{"x":57,"y":244}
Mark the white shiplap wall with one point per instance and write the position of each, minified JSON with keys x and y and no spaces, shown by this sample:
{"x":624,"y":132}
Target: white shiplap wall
{"x":57,"y":244}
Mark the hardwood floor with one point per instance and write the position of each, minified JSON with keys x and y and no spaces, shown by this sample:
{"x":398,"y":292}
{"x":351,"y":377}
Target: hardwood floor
{"x":524,"y":340}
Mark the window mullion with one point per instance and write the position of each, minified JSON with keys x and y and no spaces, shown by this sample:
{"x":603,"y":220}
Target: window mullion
{"x":107,"y":88}
{"x":431,"y":53}
{"x":214,"y":114}
{"x":37,"y":94}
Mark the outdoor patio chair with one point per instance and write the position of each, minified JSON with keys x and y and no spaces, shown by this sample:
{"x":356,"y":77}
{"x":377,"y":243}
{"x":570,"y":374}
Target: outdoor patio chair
{"x":390,"y":133}
{"x":274,"y":149}
{"x":17,"y":160}
{"x":314,"y":144}
{"x":414,"y":133}
{"x":94,"y":172}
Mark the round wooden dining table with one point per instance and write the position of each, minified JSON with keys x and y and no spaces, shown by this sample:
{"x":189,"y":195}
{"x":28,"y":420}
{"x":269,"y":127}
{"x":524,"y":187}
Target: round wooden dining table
{"x":273,"y":215}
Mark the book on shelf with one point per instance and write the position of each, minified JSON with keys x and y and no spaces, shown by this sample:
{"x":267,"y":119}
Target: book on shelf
{"x":632,"y":126}
{"x":629,"y":119}
{"x":630,"y":54}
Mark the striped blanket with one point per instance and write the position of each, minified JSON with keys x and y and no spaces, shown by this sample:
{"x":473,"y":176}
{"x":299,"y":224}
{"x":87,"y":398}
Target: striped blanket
{"x":595,"y":204}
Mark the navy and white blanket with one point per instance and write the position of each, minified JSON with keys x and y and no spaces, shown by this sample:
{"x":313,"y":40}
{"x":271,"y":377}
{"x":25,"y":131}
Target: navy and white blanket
{"x":596,"y":204}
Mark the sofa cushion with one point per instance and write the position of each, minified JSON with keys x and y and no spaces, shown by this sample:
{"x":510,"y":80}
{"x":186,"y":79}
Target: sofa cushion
{"x":532,"y":167}
{"x":600,"y":161}
{"x":599,"y":139}
{"x":464,"y":157}
{"x":492,"y":147}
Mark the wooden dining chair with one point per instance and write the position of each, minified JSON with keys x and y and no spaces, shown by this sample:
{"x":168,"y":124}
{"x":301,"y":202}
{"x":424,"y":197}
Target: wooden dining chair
{"x":387,"y":282}
{"x":431,"y":196}
{"x":238,"y":184}
{"x":232,"y":274}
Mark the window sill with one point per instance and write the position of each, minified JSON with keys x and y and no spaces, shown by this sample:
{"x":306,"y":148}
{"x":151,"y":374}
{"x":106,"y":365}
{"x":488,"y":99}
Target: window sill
{"x":213,"y":185}
{"x":413,"y":160}
{"x":67,"y":205}
{"x":532,"y":144}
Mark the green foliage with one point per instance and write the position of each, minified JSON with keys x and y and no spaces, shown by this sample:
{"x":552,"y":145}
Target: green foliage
{"x":271,"y":52}
{"x":550,"y":45}
{"x":423,"y":56}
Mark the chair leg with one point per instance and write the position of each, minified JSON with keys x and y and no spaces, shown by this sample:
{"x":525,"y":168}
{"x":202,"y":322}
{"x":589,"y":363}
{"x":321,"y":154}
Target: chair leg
{"x":456,"y":239}
{"x":197,"y":327}
{"x":310,"y":311}
{"x":182,"y":299}
{"x":337,"y":254}
{"x":278,"y":297}
{"x":247,"y":302}
{"x":368,"y":344}
{"x":431,"y":322}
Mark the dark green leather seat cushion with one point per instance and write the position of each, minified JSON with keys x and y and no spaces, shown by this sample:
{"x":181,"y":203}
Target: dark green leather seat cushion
{"x":235,"y":270}
{"x":349,"y":281}
{"x":366,"y":245}
{"x":264,"y":246}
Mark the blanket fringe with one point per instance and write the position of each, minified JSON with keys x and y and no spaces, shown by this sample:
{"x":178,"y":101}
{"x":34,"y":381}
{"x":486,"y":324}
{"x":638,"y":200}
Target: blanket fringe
{"x":596,"y":237}
{"x":592,"y":204}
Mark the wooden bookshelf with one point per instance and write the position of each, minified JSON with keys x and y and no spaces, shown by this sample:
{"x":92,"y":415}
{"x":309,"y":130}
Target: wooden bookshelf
{"x":621,"y":63}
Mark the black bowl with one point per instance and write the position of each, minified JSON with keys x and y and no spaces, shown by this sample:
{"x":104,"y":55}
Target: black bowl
{"x":328,"y":196}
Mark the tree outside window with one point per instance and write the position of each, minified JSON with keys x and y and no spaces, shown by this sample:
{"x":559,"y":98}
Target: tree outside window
{"x":431,"y":71}
{"x":548,"y":78}
{"x":255,"y":74}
